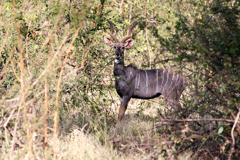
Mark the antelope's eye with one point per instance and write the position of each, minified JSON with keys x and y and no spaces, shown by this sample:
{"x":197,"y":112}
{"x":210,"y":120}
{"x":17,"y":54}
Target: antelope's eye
{"x":114,"y":47}
{"x":123,"y":47}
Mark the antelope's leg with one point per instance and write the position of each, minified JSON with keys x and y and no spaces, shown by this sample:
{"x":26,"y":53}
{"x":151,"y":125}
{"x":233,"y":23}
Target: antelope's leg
{"x":176,"y":106}
{"x":123,"y":107}
{"x":173,"y":99}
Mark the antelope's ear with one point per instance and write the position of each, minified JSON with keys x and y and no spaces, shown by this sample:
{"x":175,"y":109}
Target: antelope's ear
{"x":129,"y":43}
{"x":108,"y":41}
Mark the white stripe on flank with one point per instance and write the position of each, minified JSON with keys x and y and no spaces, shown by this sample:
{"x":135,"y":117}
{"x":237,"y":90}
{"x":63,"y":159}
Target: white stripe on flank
{"x":157,"y":81}
{"x":138,"y":80}
{"x":171,"y":81}
{"x":166,"y":82}
{"x":176,"y":79}
{"x":130,"y":72}
{"x":162,"y":79}
{"x":146,"y":80}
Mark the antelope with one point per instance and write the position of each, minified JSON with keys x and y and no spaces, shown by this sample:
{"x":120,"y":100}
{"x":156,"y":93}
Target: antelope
{"x":131,"y":82}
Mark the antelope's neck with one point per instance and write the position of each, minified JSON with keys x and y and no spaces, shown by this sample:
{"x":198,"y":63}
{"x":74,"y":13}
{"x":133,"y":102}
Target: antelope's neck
{"x":118,"y":68}
{"x":118,"y":62}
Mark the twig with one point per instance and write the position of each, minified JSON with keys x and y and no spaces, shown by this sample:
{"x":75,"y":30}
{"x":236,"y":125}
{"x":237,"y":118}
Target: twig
{"x":14,"y":71}
{"x":121,"y":7}
{"x":110,"y":94}
{"x":43,"y":26}
{"x":14,"y":132}
{"x":233,"y":139}
{"x":22,"y":83}
{"x":49,"y":25}
{"x":148,"y":48}
{"x":45,"y":119}
{"x":3,"y":44}
{"x":150,"y":155}
{"x":234,"y":117}
{"x":192,"y":120}
{"x":6,"y":123}
{"x":130,"y":13}
{"x":4,"y":69}
{"x":52,"y":60}
{"x":58,"y":92}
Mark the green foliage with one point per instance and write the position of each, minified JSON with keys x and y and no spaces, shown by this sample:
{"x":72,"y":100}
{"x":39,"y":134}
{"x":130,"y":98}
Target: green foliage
{"x":209,"y":40}
{"x":201,"y":39}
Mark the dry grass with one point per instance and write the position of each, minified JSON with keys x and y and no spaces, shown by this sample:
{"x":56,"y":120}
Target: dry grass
{"x":79,"y":145}
{"x":57,"y":96}
{"x":76,"y":143}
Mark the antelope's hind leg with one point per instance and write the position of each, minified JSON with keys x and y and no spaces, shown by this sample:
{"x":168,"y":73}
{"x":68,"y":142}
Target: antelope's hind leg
{"x":123,"y":107}
{"x":173,"y":100}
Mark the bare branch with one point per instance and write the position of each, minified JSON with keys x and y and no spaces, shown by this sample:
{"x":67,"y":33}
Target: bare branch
{"x":43,"y":26}
{"x":163,"y":121}
{"x":50,"y":25}
{"x":233,"y":139}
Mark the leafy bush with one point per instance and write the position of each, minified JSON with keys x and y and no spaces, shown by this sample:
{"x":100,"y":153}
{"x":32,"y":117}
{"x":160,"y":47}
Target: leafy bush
{"x":56,"y":79}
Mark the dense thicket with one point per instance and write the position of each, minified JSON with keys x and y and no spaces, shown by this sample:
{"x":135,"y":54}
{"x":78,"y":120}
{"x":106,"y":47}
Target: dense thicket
{"x":56,"y":76}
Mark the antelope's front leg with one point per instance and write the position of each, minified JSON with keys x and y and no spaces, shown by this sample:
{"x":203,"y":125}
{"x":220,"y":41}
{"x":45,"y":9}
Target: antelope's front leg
{"x":123,"y":107}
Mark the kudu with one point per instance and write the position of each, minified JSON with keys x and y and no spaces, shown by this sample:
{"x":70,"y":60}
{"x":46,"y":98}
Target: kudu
{"x":131,"y":82}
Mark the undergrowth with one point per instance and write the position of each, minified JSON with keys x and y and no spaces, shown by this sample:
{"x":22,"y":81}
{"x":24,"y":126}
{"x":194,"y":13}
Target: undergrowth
{"x":57,"y":93}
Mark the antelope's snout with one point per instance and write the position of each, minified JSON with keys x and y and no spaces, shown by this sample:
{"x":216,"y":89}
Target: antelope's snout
{"x":117,"y":55}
